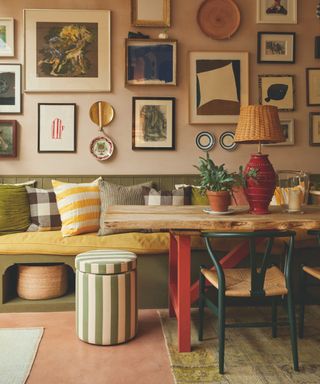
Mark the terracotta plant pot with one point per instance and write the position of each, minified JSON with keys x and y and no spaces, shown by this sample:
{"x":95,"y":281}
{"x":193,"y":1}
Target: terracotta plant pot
{"x":219,"y":201}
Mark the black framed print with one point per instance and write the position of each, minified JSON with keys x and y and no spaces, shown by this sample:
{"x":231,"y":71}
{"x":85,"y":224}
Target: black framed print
{"x":153,"y":123}
{"x":10,"y":88}
{"x":276,"y":47}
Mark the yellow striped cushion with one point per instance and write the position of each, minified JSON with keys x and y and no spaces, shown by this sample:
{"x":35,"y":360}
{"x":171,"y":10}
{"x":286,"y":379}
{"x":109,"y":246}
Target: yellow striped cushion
{"x":79,"y":206}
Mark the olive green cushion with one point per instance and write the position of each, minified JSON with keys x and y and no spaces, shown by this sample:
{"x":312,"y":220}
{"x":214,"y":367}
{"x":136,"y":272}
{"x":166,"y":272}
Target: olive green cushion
{"x":197,"y":198}
{"x":14,"y":209}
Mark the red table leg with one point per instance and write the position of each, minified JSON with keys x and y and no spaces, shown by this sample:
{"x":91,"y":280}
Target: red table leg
{"x":179,"y":287}
{"x":183,"y":293}
{"x":173,"y":265}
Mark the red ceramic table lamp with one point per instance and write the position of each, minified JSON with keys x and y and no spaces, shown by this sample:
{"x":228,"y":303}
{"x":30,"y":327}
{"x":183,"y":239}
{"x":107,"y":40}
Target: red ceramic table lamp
{"x":259,"y":124}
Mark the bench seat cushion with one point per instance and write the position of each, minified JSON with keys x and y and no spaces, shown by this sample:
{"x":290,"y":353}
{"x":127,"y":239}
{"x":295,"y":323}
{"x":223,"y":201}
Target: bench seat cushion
{"x":53,"y":243}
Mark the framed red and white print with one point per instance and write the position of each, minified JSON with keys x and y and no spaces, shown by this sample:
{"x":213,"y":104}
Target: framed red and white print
{"x":56,"y":127}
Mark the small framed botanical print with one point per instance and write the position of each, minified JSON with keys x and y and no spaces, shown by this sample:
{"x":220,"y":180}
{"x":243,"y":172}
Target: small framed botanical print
{"x":8,"y":138}
{"x":313,"y":86}
{"x":6,"y":37}
{"x":153,"y":123}
{"x":56,"y":127}
{"x":314,"y":128}
{"x":276,"y":47}
{"x":277,"y":11}
{"x":277,"y":90}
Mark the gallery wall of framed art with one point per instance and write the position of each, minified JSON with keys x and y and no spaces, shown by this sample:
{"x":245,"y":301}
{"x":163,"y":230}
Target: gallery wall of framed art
{"x":112,"y":52}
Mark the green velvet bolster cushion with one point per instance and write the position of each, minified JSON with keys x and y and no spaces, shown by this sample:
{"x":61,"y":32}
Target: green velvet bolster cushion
{"x":14,"y":209}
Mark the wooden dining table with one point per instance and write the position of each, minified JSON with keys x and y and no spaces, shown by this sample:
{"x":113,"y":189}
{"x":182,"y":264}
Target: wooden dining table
{"x":185,"y":221}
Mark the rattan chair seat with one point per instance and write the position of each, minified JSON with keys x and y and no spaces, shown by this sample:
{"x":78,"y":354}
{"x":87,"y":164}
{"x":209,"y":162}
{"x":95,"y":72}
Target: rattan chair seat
{"x":315,"y":272}
{"x":238,"y":281}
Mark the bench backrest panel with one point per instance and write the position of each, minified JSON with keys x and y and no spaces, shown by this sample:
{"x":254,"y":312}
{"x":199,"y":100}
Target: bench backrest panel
{"x":163,"y":182}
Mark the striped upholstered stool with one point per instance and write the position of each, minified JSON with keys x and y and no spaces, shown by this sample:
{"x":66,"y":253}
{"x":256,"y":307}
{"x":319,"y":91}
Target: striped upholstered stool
{"x":106,"y":298}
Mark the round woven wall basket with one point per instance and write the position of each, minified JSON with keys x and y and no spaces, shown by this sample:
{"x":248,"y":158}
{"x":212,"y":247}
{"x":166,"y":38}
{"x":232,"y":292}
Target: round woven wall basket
{"x":42,"y":281}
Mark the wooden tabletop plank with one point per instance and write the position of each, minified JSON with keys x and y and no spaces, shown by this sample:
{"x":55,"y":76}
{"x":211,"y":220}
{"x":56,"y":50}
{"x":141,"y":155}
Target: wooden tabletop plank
{"x":193,"y":218}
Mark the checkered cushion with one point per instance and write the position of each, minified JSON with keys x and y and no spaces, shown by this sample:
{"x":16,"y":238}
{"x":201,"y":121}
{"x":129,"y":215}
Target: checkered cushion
{"x":180,"y":196}
{"x":43,"y":210}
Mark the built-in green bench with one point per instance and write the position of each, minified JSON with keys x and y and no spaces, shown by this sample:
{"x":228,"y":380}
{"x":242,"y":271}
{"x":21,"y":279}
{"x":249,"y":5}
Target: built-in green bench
{"x":152,"y":266}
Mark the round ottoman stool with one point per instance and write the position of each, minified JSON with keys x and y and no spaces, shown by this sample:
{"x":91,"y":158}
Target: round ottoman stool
{"x":106,"y":296}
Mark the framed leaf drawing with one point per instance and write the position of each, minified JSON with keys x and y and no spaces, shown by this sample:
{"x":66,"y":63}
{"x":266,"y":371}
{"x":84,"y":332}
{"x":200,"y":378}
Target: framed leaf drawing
{"x":277,"y":90}
{"x":218,"y":86}
{"x":67,"y":50}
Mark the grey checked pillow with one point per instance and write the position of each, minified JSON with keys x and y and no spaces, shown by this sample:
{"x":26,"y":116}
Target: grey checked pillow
{"x":44,"y":212}
{"x":114,"y":194}
{"x":180,"y":196}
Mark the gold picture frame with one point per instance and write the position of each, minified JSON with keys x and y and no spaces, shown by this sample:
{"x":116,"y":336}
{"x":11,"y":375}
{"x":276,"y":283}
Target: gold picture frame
{"x":313,"y":83}
{"x":151,"y":13}
{"x":55,"y":62}
{"x":314,"y":129}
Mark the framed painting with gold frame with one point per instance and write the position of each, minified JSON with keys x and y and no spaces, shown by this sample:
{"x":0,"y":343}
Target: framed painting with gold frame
{"x":150,"y":13}
{"x":313,"y":86}
{"x":218,"y":86}
{"x":67,"y":50}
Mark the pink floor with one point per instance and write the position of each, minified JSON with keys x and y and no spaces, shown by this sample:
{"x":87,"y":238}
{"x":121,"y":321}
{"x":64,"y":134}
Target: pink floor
{"x":63,"y":358}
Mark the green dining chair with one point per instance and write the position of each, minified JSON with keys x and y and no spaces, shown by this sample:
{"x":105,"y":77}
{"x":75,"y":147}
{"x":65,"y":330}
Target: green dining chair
{"x":306,"y":274}
{"x":260,"y":280}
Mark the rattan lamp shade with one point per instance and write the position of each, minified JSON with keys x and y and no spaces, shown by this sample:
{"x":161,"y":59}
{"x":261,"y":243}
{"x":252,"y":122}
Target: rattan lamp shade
{"x":259,"y":124}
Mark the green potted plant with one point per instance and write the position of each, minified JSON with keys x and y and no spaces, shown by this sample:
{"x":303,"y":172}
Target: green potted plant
{"x":218,"y":183}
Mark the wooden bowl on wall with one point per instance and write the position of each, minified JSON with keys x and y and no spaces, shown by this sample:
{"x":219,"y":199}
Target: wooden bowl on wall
{"x":219,"y":19}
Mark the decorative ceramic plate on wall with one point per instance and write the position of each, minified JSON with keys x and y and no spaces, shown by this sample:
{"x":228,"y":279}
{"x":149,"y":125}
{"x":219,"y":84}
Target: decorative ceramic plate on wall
{"x":219,"y":19}
{"x":226,"y":140}
{"x":101,"y":147}
{"x":205,"y":141}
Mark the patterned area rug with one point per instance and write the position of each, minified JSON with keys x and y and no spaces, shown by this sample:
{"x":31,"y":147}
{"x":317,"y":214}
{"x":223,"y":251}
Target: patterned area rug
{"x":251,"y":355}
{"x":18,"y":349}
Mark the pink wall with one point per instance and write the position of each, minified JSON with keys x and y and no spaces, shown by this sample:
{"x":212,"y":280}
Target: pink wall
{"x":190,"y":38}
